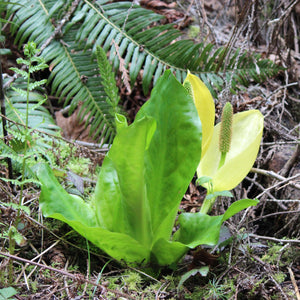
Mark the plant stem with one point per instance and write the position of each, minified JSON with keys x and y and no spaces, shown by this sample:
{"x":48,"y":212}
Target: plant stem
{"x":12,"y":244}
{"x":25,"y":147}
{"x":89,"y":258}
{"x":222,"y":159}
{"x":207,"y":204}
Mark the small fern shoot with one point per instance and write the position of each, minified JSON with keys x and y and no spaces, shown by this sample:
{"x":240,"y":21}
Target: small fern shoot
{"x":25,"y":114}
{"x":108,"y":80}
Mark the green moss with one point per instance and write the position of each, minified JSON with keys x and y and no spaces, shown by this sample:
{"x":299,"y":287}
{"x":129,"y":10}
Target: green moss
{"x":277,"y":254}
{"x":194,"y":31}
{"x":173,"y":281}
{"x":279,"y":277}
{"x":34,"y":286}
{"x":289,"y":292}
{"x":256,"y":286}
{"x":132,"y":280}
{"x":79,"y":165}
{"x":148,"y":291}
{"x":213,"y":290}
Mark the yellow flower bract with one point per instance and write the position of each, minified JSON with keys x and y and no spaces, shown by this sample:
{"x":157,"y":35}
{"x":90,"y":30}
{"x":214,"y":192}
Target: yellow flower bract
{"x":247,"y":131}
{"x":204,"y":103}
{"x":246,"y":135}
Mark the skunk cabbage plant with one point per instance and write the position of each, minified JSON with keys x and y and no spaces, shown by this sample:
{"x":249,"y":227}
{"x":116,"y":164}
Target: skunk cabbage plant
{"x":141,"y":183}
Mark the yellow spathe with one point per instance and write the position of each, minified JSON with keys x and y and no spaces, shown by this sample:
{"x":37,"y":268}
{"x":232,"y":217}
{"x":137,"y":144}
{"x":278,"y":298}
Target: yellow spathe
{"x":247,"y":131}
{"x":204,"y":103}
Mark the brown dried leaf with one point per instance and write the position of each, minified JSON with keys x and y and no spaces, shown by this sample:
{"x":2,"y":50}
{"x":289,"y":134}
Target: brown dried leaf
{"x":123,"y":70}
{"x":167,"y":10}
{"x":72,"y":128}
{"x":201,"y":257}
{"x":156,"y":4}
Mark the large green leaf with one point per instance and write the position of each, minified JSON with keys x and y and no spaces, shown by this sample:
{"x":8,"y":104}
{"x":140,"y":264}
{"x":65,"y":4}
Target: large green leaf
{"x":198,"y":228}
{"x":166,"y":252}
{"x":120,"y":199}
{"x":56,"y":203}
{"x":146,"y":177}
{"x":173,"y":151}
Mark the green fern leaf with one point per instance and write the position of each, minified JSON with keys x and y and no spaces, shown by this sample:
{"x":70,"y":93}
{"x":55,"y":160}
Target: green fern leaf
{"x":34,"y":85}
{"x":155,"y":48}
{"x":143,"y":44}
{"x":108,"y":79}
{"x":39,"y":116}
{"x":24,"y":74}
{"x":70,"y":64}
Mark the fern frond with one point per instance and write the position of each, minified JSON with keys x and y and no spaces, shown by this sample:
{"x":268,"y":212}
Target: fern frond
{"x":34,"y":85}
{"x":23,"y":73}
{"x":69,"y":65}
{"x":108,"y":78}
{"x":153,"y":49}
{"x":39,"y":116}
{"x":132,"y":34}
{"x":74,"y":77}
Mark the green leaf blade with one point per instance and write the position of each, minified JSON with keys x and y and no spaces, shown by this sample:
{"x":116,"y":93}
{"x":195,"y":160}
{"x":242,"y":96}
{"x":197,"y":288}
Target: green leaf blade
{"x":55,"y":201}
{"x":122,"y":175}
{"x":198,"y":229}
{"x":170,"y":163}
{"x":237,"y":206}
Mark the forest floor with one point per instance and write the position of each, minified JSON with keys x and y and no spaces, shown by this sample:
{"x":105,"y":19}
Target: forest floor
{"x":261,"y":259}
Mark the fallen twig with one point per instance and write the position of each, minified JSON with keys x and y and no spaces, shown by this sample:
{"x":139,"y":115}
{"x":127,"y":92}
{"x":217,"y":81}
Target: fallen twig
{"x":269,"y":238}
{"x":277,"y":176}
{"x":291,"y":162}
{"x":286,"y":180}
{"x":275,"y":214}
{"x":294,"y":283}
